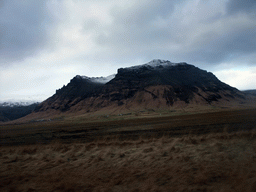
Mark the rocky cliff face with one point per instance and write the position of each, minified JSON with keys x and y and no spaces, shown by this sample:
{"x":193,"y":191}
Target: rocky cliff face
{"x":157,"y":84}
{"x":78,"y":89}
{"x":183,"y":81}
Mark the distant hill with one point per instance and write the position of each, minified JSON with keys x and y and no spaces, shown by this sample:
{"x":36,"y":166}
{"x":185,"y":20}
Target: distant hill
{"x":157,"y":85}
{"x":250,"y":92}
{"x":14,"y":110}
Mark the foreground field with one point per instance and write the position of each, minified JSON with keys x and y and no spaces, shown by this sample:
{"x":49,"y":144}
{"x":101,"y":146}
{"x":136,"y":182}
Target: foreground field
{"x":190,"y":152}
{"x":68,"y":131}
{"x":211,"y":162}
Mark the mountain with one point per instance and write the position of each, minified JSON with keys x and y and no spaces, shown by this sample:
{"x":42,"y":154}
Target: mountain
{"x":17,"y":103}
{"x":250,"y":92}
{"x":14,"y":110}
{"x":157,"y":85}
{"x":79,"y":88}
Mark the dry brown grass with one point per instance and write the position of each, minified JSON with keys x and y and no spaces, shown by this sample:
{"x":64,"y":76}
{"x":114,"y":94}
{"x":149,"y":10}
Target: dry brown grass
{"x":213,"y":162}
{"x":86,"y":131}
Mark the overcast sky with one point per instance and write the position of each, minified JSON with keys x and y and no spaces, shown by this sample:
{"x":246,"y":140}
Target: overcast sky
{"x":44,"y":44}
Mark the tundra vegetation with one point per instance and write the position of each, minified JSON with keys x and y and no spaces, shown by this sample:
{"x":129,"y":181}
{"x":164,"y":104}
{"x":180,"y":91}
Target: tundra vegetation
{"x":212,"y":162}
{"x":223,"y":159}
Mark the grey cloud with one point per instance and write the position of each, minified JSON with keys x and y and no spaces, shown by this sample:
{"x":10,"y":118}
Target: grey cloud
{"x":142,"y":13}
{"x":236,"y":6}
{"x":216,"y":48}
{"x":144,"y":30}
{"x":137,"y":32}
{"x":24,"y":26}
{"x":203,"y":33}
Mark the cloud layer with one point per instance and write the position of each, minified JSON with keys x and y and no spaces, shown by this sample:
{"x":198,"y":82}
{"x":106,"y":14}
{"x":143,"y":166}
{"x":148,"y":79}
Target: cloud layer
{"x":25,"y":29}
{"x":56,"y":37}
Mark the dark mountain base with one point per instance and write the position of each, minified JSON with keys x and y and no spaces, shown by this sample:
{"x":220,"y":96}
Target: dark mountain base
{"x":8,"y":113}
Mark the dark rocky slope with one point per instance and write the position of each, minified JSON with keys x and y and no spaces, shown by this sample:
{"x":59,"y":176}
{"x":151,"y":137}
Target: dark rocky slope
{"x":183,"y":80}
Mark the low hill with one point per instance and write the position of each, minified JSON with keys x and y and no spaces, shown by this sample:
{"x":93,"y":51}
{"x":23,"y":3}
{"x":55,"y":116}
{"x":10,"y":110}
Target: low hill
{"x":250,"y":92}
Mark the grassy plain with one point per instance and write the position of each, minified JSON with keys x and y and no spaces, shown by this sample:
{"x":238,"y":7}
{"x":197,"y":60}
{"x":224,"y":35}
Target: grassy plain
{"x":193,"y":152}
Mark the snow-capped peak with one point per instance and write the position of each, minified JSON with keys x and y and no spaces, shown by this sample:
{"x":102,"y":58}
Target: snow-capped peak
{"x":102,"y":80}
{"x":156,"y":63}
{"x":17,"y":103}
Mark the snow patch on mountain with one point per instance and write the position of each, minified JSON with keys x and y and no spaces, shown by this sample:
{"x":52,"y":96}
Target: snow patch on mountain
{"x":154,"y":64}
{"x":102,"y":80}
{"x":17,"y":103}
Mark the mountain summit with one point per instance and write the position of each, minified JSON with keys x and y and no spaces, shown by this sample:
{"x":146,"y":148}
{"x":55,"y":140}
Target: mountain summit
{"x":157,"y":85}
